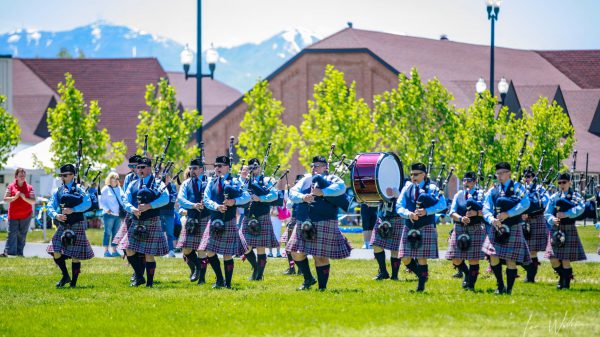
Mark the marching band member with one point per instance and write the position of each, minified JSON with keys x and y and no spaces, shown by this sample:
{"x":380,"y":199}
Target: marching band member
{"x":387,"y":234}
{"x":419,"y":202}
{"x":145,"y":238}
{"x":535,"y":231}
{"x":66,"y":206}
{"x":190,"y":198}
{"x":502,"y":209}
{"x":564,"y":245}
{"x":288,"y":232}
{"x":221,"y":235}
{"x":257,"y":230}
{"x":316,"y":231}
{"x":468,"y":234}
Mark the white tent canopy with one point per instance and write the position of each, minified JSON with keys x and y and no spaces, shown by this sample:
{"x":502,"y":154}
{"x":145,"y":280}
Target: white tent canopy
{"x":24,"y":158}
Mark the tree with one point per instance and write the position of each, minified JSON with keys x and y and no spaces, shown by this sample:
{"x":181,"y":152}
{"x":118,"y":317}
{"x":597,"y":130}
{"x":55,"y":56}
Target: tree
{"x":410,"y":116}
{"x":164,"y":119}
{"x":262,"y":124}
{"x":550,"y":130}
{"x":501,"y":135}
{"x":9,"y":133}
{"x":336,"y":115}
{"x":63,"y":53}
{"x":72,"y":119}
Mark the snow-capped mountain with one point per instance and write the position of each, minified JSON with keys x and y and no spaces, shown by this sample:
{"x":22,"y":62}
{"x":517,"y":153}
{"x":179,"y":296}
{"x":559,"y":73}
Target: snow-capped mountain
{"x":238,"y":66}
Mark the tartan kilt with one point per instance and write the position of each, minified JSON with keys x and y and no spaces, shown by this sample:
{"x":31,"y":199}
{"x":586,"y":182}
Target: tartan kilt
{"x":192,"y":241}
{"x":266,"y":238}
{"x":81,"y":250}
{"x":156,"y":242}
{"x":573,"y":249}
{"x":429,"y":244}
{"x":122,"y":233}
{"x":515,"y":249}
{"x":328,"y":242}
{"x":539,"y":233}
{"x":474,"y":252}
{"x":393,"y":242}
{"x":228,"y":243}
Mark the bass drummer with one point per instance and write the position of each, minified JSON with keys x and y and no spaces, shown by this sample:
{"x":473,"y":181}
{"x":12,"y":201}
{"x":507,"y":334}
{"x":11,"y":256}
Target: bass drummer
{"x":420,"y":200}
{"x":316,"y":231}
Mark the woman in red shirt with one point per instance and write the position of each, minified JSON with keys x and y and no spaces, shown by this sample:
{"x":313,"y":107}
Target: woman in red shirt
{"x":20,"y":197}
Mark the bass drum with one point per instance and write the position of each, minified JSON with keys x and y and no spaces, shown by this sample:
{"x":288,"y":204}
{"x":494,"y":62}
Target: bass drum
{"x":372,"y":173}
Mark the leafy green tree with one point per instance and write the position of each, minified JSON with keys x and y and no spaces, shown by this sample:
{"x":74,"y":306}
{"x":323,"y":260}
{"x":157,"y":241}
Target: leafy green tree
{"x":410,"y":116}
{"x":501,"y":135}
{"x":72,"y":119}
{"x":63,"y":53}
{"x":262,"y":124}
{"x":550,"y":130}
{"x":336,"y":115}
{"x":9,"y":133}
{"x":164,"y":119}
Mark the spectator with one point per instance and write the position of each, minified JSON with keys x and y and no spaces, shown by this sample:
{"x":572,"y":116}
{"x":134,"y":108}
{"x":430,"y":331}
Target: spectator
{"x":110,"y":202}
{"x":20,"y":197}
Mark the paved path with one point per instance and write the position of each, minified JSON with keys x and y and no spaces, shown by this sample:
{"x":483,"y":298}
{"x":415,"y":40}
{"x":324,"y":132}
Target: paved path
{"x":39,"y":250}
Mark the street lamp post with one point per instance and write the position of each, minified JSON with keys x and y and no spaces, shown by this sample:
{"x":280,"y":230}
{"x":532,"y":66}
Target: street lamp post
{"x":493,"y":8}
{"x":187,"y":57}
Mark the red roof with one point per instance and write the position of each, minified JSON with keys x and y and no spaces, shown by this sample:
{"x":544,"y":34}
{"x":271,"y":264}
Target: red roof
{"x":117,"y":84}
{"x":582,"y":106}
{"x":581,"y":66}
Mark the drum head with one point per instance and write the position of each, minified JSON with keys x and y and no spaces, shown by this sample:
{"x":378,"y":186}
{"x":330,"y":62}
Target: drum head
{"x":389,"y":174}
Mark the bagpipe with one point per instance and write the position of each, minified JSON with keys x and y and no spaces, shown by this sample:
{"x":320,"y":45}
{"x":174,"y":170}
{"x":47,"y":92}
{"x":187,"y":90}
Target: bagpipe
{"x":69,"y":198}
{"x":507,"y":200}
{"x":192,"y":225}
{"x":476,"y":203}
{"x":230,"y":191}
{"x":427,"y":198}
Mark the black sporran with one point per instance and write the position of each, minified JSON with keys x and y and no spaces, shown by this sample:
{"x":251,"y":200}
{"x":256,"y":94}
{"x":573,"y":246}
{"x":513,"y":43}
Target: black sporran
{"x":308,"y":230}
{"x":384,"y":229}
{"x":254,"y":227}
{"x":217,"y":227}
{"x":463,"y":241}
{"x":415,"y":239}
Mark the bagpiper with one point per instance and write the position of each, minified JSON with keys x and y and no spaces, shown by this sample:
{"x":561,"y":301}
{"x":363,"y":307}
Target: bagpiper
{"x":564,"y":244}
{"x":468,"y":233}
{"x":419,"y":201}
{"x":221,"y":197}
{"x":257,"y":230}
{"x":502,"y":211}
{"x":190,"y":198}
{"x":66,"y":206}
{"x":145,"y":238}
{"x":316,"y":231}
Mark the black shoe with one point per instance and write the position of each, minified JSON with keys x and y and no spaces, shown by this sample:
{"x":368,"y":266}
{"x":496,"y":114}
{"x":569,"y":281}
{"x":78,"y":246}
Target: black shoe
{"x":132,"y":277}
{"x":63,"y":282}
{"x":218,"y":284}
{"x":458,"y":274}
{"x":72,"y":285}
{"x":148,"y":286}
{"x":528,"y":280}
{"x":307,"y":284}
{"x":508,"y":291}
{"x":394,"y":279}
{"x":500,"y":291}
{"x":201,"y":281}
{"x":469,"y":288}
{"x":290,"y":271}
{"x":195,"y":275}
{"x":138,"y":282}
{"x":381,"y":276}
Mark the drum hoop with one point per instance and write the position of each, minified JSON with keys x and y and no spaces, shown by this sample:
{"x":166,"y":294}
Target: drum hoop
{"x":377,"y":187}
{"x":379,"y":161}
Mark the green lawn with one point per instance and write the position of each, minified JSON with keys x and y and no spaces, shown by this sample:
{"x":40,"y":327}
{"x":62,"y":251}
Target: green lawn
{"x":354,"y":305}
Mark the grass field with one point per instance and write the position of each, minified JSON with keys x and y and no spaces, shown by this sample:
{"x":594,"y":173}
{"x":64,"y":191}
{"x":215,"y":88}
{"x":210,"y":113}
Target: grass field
{"x":354,"y":305}
{"x":588,"y":235}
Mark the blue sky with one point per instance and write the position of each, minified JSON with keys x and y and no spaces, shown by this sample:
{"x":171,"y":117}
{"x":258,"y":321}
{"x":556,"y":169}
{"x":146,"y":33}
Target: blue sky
{"x":525,"y":24}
